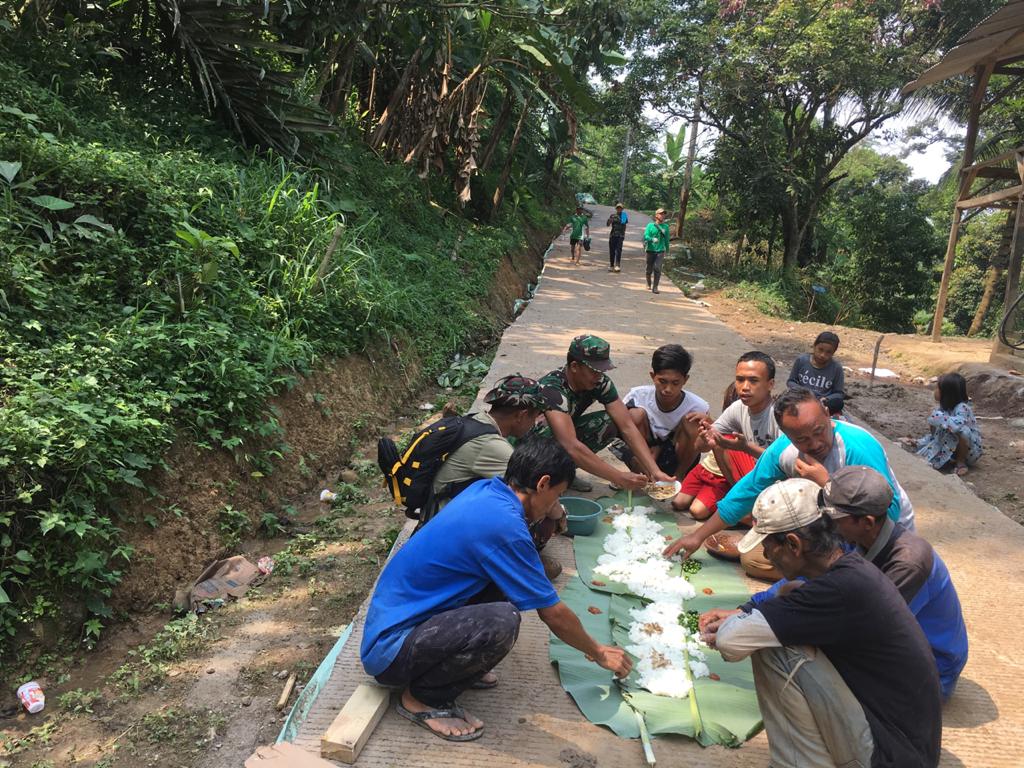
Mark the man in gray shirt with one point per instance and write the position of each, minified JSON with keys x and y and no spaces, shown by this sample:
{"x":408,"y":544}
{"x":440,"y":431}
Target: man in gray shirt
{"x":748,"y":424}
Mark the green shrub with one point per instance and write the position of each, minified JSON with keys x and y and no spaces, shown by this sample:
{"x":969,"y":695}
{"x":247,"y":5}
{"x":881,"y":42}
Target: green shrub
{"x":923,"y":323}
{"x":156,"y":281}
{"x":768,"y":298}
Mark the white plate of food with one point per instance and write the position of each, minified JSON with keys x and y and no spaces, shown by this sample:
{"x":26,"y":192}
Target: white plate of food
{"x":663,"y":490}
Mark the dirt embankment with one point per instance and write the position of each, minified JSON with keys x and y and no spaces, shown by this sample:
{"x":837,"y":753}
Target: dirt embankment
{"x":206,"y":695}
{"x":898,"y":408}
{"x":324,"y":417}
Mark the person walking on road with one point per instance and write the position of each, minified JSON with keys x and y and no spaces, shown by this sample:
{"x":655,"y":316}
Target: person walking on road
{"x":617,"y":221}
{"x":656,"y":245}
{"x":579,"y":226}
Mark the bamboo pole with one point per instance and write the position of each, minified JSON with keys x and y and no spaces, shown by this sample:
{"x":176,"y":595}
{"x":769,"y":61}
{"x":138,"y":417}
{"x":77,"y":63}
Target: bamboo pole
{"x":1016,"y":252}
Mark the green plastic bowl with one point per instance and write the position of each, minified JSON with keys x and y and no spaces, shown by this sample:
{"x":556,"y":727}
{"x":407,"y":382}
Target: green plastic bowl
{"x":582,"y":514}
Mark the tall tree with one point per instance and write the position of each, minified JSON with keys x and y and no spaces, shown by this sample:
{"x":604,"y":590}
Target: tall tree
{"x":791,"y":86}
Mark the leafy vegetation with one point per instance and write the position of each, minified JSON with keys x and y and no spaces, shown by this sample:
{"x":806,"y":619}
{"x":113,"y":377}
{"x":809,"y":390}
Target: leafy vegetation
{"x":788,"y":191}
{"x":200,"y":201}
{"x":157,"y":281}
{"x":148,"y":663}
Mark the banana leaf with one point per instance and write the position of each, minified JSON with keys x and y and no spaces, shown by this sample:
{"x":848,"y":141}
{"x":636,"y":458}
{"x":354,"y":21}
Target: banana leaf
{"x":722,"y":711}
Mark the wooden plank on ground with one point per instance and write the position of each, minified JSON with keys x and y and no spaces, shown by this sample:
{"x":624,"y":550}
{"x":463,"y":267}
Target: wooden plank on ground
{"x":284,"y":755}
{"x":351,"y":729}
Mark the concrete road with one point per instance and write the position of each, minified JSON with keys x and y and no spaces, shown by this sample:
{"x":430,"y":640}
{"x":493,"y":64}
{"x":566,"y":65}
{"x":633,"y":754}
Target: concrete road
{"x":532,"y":722}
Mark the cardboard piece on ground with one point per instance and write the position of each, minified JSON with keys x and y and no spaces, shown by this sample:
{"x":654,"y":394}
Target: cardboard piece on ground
{"x":225,"y":578}
{"x":284,"y":755}
{"x":351,"y":729}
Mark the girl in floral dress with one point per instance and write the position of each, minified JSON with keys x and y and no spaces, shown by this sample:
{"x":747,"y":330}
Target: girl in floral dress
{"x":954,"y":437}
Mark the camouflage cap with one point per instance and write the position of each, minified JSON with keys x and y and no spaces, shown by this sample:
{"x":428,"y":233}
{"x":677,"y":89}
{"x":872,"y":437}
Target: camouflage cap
{"x":593,"y":351}
{"x":518,"y":391}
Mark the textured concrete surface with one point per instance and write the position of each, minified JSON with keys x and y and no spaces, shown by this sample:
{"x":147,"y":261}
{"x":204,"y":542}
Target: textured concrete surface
{"x":531,"y":721}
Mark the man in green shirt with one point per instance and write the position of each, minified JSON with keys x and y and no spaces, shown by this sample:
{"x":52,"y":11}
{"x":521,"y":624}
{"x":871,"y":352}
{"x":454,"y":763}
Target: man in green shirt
{"x":572,"y":389}
{"x":656,"y":245}
{"x":579,"y":223}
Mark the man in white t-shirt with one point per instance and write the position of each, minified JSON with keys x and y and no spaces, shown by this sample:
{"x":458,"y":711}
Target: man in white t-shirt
{"x":667,"y":415}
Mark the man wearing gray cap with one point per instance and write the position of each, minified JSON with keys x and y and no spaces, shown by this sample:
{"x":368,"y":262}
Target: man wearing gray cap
{"x":857,"y":499}
{"x":843,"y":672}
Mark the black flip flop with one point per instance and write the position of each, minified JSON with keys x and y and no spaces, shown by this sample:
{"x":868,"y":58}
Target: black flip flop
{"x":454,"y":711}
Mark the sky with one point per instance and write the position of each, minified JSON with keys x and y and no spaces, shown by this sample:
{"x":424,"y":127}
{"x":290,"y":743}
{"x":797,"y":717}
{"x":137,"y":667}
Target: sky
{"x":928,"y":165}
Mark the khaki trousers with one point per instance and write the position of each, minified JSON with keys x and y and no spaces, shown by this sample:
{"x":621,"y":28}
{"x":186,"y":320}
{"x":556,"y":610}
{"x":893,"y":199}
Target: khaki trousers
{"x":811,"y":717}
{"x":758,"y":566}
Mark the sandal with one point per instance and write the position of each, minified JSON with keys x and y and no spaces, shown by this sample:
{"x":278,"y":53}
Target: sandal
{"x":452,"y":711}
{"x":961,"y":470}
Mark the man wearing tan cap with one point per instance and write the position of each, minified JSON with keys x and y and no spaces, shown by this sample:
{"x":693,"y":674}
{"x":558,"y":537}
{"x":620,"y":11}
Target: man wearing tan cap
{"x":857,"y":498}
{"x":843,"y":673}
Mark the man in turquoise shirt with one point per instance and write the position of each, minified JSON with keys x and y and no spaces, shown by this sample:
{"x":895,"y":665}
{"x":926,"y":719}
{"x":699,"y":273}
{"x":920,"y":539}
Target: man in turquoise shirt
{"x":812,"y":446}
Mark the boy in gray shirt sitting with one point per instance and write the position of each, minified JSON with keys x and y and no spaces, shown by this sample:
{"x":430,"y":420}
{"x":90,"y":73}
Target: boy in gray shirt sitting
{"x":820,"y":372}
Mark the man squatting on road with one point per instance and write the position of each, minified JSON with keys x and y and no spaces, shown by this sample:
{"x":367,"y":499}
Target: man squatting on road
{"x":843,"y":673}
{"x":857,"y":498}
{"x":574,"y":387}
{"x":447,"y":605}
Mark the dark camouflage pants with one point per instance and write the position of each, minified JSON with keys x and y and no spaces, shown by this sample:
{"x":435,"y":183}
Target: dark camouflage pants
{"x":447,"y":653}
{"x":595,"y":430}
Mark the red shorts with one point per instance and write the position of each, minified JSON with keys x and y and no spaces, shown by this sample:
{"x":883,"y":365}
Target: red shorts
{"x":706,"y":487}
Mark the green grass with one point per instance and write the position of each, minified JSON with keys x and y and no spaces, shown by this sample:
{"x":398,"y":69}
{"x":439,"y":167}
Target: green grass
{"x":148,"y":664}
{"x":767,"y":297}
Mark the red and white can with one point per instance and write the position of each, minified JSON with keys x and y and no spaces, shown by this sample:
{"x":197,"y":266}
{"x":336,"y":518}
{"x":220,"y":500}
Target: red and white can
{"x":32,"y":697}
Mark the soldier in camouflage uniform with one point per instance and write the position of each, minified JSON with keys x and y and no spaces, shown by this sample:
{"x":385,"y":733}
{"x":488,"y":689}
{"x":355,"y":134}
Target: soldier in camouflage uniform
{"x":516,"y":402}
{"x":573,"y":388}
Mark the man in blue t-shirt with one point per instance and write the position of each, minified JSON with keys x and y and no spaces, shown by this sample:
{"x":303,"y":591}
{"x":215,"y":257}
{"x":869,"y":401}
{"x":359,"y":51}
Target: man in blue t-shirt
{"x":857,"y":499}
{"x":812,"y":446}
{"x":430,"y":630}
{"x":843,"y":672}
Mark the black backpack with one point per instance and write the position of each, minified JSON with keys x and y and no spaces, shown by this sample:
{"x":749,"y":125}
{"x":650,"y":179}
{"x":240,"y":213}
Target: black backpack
{"x":410,"y":475}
